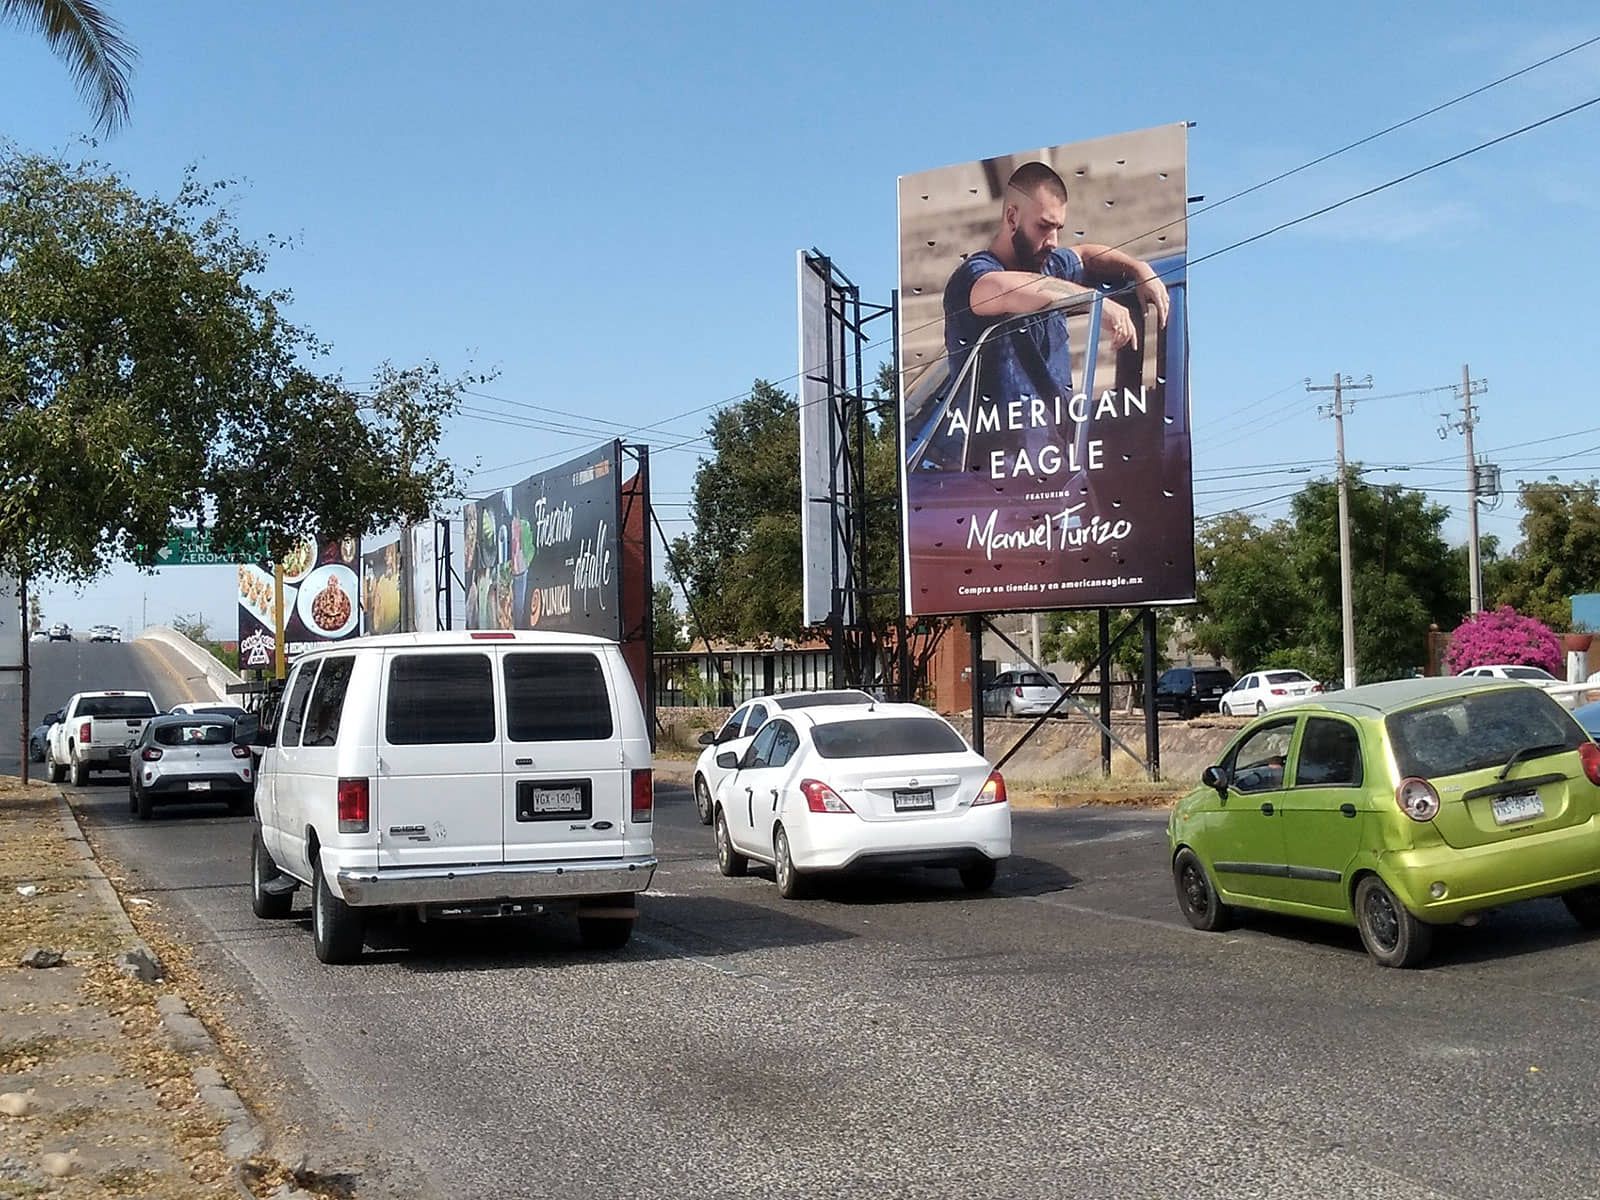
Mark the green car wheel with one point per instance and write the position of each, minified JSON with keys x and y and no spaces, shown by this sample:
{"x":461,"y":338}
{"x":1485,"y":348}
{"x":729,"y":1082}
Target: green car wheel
{"x":1390,"y":933}
{"x":1201,"y":905}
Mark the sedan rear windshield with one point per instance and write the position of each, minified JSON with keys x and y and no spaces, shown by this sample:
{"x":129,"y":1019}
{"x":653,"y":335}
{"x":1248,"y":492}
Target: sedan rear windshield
{"x":1528,"y":673}
{"x":824,"y":699}
{"x":117,"y":706}
{"x":209,"y":733}
{"x":1286,"y":677}
{"x":885,"y":737}
{"x":1479,"y":730}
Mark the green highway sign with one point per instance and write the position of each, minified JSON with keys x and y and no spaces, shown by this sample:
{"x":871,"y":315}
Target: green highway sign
{"x":187,"y":547}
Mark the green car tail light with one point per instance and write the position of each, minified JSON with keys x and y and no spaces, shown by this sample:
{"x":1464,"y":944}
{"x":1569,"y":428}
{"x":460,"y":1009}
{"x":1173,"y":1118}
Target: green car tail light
{"x":1589,"y":755}
{"x":1418,"y":799}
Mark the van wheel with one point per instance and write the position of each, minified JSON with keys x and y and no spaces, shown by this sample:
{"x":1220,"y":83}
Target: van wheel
{"x":266,"y":905}
{"x":1198,"y":900}
{"x":605,"y":933}
{"x":80,"y":774}
{"x":792,"y":885}
{"x":729,"y":861}
{"x":336,"y":928}
{"x":1390,"y":933}
{"x":702,"y":799}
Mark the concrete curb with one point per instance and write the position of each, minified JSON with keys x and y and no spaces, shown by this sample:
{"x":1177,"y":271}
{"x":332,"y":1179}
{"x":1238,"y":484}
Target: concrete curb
{"x":244,"y":1135}
{"x":217,"y":676}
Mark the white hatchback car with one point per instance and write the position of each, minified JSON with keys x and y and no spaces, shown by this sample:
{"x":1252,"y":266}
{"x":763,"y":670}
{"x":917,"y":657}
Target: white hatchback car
{"x":739,"y":730}
{"x":189,"y":758}
{"x":841,"y":786}
{"x":1263,"y":690}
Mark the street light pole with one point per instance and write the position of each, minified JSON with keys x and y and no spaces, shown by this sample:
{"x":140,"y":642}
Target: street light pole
{"x":1342,"y":383}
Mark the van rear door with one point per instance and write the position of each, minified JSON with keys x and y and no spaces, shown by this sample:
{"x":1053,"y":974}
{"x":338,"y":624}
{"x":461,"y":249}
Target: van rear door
{"x":438,"y":785}
{"x":566,"y":787}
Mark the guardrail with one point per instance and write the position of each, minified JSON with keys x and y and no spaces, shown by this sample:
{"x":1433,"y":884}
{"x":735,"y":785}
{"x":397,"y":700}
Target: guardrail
{"x":217,"y":676}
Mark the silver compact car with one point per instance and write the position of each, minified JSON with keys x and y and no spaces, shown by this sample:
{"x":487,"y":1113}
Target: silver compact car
{"x":190,"y":759}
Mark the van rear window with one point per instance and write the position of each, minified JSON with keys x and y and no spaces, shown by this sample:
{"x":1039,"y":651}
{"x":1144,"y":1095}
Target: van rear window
{"x":439,"y":699}
{"x":556,"y":698}
{"x":886,"y":736}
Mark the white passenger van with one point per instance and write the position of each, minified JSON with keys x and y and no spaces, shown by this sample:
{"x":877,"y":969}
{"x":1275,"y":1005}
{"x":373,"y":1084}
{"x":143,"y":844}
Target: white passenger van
{"x":455,"y":775}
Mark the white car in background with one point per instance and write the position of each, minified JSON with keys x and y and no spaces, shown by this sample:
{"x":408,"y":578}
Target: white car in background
{"x":834,"y":787}
{"x":739,"y":729}
{"x":1540,"y":678}
{"x":1263,"y":690}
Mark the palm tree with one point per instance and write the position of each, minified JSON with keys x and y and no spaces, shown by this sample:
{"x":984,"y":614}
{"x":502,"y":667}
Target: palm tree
{"x":91,"y":42}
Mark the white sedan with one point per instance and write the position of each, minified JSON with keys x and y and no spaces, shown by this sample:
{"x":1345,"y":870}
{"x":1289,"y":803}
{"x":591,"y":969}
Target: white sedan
{"x":1261,"y":690}
{"x":828,"y":788}
{"x":739,"y":730}
{"x":1564,"y":693}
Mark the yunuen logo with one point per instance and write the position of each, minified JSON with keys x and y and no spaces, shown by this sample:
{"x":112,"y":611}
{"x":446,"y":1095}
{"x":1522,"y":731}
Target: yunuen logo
{"x":549,"y":602}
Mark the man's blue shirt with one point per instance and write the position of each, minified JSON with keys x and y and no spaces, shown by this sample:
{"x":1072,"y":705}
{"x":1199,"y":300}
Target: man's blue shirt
{"x":1032,"y":358}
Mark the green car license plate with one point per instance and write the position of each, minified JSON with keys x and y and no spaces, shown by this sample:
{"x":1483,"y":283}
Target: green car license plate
{"x":1508,"y":810}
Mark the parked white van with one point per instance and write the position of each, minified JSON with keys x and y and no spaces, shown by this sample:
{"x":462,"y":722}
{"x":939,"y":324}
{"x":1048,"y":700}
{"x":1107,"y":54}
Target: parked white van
{"x":455,"y":774}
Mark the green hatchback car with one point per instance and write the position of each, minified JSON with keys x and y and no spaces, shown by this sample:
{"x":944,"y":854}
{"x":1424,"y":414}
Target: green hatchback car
{"x":1396,"y":807}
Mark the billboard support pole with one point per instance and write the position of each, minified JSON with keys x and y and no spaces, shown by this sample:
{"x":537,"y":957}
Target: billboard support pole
{"x":1105,"y":692}
{"x":27,"y":671}
{"x":975,"y":641}
{"x":279,"y":650}
{"x":1152,"y":719}
{"x":640,"y":453}
{"x":441,"y":574}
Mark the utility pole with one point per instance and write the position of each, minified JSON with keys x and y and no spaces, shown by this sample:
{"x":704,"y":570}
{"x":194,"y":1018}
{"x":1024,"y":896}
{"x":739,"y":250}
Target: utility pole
{"x":1469,"y":419}
{"x":1341,"y":384}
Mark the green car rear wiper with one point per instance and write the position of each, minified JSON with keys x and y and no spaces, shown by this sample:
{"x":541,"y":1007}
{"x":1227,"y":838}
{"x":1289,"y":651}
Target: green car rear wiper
{"x":1529,"y":752}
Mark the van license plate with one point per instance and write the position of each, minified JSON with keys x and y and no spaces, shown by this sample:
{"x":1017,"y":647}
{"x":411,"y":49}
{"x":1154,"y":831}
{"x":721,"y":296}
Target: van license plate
{"x":553,"y":801}
{"x":918,"y":800}
{"x":1508,"y":810}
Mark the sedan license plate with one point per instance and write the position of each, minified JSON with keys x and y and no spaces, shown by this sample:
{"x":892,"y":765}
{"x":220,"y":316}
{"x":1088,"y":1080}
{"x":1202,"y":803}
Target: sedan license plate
{"x":913,"y":800}
{"x":200,"y":785}
{"x":1508,"y":810}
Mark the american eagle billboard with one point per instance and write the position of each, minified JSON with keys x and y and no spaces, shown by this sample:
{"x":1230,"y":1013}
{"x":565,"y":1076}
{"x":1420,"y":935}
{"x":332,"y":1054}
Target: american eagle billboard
{"x":1044,"y":360}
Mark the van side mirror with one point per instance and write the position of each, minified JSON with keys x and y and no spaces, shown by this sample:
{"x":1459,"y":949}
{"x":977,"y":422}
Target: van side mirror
{"x":247,"y":731}
{"x":728,"y":760}
{"x":1217,"y":778}
{"x":708,"y":738}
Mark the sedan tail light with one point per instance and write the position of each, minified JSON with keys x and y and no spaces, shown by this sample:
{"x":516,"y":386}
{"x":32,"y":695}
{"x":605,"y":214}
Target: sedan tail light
{"x":1589,"y":754}
{"x":1417,"y":799}
{"x":644,"y":795}
{"x":1280,"y":691}
{"x":84,"y":731}
{"x":993,"y":790}
{"x":150,"y":753}
{"x":820,"y":798}
{"x":354,"y":805}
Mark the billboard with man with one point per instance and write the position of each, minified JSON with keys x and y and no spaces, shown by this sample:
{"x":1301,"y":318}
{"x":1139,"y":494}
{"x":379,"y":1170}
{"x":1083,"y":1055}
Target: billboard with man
{"x":1044,"y":352}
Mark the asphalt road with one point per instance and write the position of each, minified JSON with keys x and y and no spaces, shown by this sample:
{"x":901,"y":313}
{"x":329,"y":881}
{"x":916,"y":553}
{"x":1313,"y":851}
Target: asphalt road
{"x":895,"y":1037}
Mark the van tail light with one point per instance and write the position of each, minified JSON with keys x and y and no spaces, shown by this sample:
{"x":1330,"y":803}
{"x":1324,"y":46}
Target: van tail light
{"x":1417,"y":799}
{"x":354,"y":805}
{"x":153,"y":753}
{"x":1589,"y":755}
{"x":993,"y":790}
{"x":84,"y":731}
{"x":820,"y":798}
{"x":644,"y":795}
{"x":241,"y":751}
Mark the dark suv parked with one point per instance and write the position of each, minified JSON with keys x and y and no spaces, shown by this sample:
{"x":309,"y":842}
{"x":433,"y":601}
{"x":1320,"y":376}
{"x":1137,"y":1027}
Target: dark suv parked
{"x":1189,"y":691}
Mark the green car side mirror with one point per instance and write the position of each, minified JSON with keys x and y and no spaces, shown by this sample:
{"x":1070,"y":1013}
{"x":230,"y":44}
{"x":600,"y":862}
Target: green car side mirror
{"x":1217,"y":778}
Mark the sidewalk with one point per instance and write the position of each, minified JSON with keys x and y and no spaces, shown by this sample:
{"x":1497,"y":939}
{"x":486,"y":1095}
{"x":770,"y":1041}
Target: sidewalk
{"x":108,"y":1086}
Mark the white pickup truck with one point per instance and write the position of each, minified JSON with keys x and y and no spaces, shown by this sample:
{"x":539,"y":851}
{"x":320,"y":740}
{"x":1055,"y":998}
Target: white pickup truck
{"x":97,"y":732}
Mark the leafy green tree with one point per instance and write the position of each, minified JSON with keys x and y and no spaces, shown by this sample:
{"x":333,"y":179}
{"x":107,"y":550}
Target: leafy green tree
{"x":147,"y":378}
{"x":1250,"y":602}
{"x":1074,"y":637}
{"x":666,"y":621}
{"x":1559,"y":555}
{"x":81,"y":33}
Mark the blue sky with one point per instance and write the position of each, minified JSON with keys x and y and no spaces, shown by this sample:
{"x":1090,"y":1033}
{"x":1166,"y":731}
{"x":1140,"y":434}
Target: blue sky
{"x":602,"y":203}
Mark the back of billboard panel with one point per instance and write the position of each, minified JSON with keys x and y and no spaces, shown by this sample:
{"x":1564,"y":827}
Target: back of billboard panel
{"x":1045,"y":368}
{"x":543,"y":553}
{"x":824,"y":492}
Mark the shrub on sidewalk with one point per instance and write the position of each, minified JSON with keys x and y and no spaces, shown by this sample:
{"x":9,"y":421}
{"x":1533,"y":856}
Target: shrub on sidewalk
{"x":1503,"y":636}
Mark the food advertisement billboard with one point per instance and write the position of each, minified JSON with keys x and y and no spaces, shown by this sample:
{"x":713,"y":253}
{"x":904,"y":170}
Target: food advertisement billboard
{"x":543,"y":553}
{"x":1045,"y":368}
{"x":321,"y":595}
{"x":380,"y":590}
